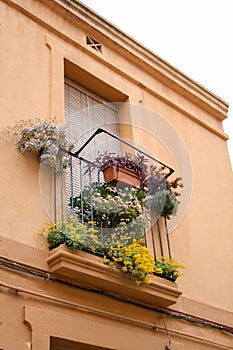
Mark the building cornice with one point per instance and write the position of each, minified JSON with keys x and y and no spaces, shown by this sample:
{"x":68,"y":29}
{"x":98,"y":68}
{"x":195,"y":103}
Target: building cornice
{"x":74,"y":10}
{"x":161,"y":69}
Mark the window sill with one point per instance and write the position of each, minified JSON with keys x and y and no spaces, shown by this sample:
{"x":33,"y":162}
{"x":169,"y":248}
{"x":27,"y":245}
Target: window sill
{"x":90,"y":271}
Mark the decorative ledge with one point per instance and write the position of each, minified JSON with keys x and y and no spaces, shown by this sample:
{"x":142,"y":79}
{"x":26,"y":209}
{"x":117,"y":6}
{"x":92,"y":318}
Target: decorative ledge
{"x":90,"y":271}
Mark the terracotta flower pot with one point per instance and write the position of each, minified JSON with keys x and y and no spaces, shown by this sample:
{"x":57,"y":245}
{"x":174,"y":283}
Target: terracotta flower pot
{"x":116,"y":173}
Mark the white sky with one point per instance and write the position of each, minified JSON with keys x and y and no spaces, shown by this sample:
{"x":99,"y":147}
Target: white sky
{"x":195,"y":36}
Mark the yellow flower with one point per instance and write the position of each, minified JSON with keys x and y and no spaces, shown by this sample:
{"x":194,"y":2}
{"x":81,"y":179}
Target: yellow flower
{"x":92,"y":223}
{"x":147,"y":280}
{"x":137,"y":256}
{"x":92,"y":230}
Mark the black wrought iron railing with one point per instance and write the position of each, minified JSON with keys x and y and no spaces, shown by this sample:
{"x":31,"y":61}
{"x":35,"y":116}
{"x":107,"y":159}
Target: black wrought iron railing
{"x":113,"y":212}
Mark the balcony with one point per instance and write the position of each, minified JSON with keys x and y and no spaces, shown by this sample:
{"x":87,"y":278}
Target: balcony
{"x":105,"y":226}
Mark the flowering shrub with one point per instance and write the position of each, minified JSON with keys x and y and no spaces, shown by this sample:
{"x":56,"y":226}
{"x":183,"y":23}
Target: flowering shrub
{"x":73,"y":233}
{"x":162,"y":194}
{"x":134,"y":259}
{"x":117,"y":212}
{"x":77,"y":235}
{"x":170,"y":268}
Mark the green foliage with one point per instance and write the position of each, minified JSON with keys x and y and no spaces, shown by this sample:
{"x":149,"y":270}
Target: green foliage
{"x":170,"y":268}
{"x":74,"y":234}
{"x":162,"y":194}
{"x":165,"y":203}
{"x":134,"y":259}
{"x":118,"y":213}
{"x":55,"y":235}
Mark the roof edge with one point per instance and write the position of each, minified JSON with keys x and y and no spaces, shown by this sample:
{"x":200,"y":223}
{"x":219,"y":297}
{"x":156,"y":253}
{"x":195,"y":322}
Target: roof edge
{"x":180,"y":81}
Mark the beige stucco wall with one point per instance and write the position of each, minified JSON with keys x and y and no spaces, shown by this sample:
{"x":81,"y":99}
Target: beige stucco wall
{"x":42,"y":43}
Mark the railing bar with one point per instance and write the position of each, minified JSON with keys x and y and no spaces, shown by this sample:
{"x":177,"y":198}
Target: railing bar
{"x":160,"y":238}
{"x":98,"y":177}
{"x":102,"y":234}
{"x":99,"y":130}
{"x":61,"y":190}
{"x":152,"y":230}
{"x":167,"y":235}
{"x":153,"y":242}
{"x":144,"y":231}
{"x":72,"y":186}
{"x":81,"y":190}
{"x":75,"y":156}
{"x":55,"y":193}
{"x":92,"y":215}
{"x":145,"y":239}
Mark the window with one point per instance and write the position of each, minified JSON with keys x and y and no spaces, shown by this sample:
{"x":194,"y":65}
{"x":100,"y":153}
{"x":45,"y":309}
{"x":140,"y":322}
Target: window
{"x":85,"y":112}
{"x":63,"y":344}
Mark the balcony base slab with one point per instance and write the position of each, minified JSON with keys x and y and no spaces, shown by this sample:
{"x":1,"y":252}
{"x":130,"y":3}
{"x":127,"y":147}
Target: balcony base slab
{"x":88,"y":270}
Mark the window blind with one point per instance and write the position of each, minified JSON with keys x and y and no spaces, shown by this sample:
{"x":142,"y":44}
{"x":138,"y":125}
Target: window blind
{"x":84,"y":114}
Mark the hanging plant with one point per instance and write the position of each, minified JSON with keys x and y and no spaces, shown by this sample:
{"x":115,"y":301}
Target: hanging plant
{"x":48,"y":140}
{"x":40,"y":136}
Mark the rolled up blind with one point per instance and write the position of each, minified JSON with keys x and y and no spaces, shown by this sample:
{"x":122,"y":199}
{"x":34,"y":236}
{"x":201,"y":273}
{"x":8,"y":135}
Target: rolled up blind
{"x":84,"y":114}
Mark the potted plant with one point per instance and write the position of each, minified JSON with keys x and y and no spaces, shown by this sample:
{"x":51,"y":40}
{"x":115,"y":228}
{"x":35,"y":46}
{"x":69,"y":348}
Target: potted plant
{"x":48,"y":139}
{"x":132,"y":169}
{"x":128,"y":169}
{"x":42,"y":136}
